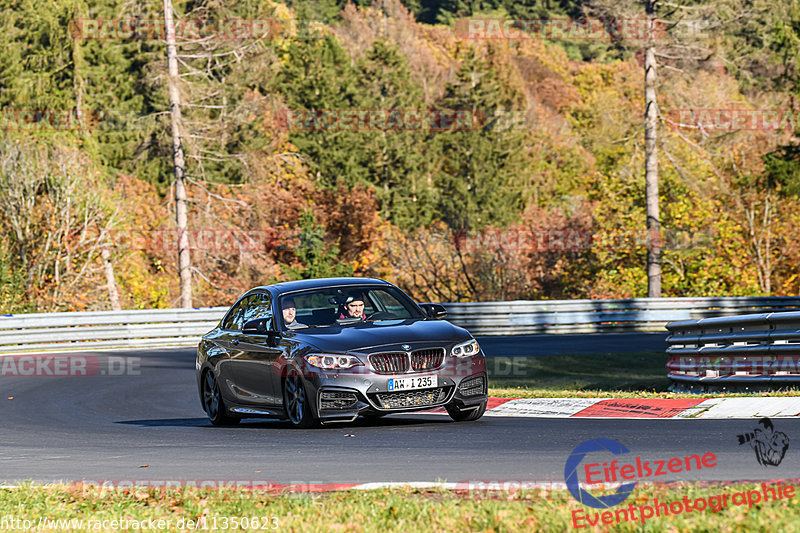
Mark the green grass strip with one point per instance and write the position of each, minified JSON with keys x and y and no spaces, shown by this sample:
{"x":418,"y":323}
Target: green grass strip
{"x":389,"y":510}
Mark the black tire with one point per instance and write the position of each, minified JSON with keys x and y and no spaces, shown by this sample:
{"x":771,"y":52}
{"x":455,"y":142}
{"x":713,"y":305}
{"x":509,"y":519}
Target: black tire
{"x":465,"y":416}
{"x":295,"y":401}
{"x":213,"y":403}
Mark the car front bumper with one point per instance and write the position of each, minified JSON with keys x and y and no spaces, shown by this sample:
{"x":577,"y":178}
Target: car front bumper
{"x":343,"y":396}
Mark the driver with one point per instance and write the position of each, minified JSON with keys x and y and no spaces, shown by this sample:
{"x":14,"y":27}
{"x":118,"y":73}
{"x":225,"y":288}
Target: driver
{"x":353,"y":307}
{"x":290,"y":314}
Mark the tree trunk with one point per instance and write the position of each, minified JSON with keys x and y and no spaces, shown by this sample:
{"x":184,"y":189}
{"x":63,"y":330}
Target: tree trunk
{"x":651,"y":168}
{"x":111,"y":282}
{"x":768,"y":252}
{"x":184,"y":264}
{"x":77,"y":81}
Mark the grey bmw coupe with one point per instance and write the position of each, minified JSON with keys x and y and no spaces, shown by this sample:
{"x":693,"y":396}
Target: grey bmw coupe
{"x":331,"y":350}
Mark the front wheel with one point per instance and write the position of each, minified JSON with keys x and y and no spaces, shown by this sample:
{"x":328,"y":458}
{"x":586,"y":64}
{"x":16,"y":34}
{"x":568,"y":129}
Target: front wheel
{"x":295,"y":401}
{"x":213,"y":403}
{"x":465,"y":416}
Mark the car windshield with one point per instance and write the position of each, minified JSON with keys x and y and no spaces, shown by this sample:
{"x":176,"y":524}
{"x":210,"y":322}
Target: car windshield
{"x":346,"y":306}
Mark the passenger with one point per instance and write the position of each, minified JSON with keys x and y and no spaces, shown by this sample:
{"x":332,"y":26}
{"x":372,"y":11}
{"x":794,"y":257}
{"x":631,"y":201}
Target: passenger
{"x":290,"y":314}
{"x":353,"y":308}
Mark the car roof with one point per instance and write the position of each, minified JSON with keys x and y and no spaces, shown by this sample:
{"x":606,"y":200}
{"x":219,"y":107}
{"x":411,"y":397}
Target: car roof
{"x":291,"y":286}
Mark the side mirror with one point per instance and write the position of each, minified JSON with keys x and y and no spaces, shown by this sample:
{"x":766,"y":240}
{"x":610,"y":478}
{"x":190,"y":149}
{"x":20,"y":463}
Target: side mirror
{"x":260,"y":326}
{"x":257,"y":326}
{"x":435,"y":311}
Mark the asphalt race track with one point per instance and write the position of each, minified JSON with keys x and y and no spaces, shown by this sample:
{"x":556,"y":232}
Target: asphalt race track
{"x":146,"y":423}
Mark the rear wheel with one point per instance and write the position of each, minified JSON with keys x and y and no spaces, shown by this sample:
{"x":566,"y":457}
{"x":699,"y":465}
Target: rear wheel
{"x":467,"y":415}
{"x":295,"y":401}
{"x":213,"y":403}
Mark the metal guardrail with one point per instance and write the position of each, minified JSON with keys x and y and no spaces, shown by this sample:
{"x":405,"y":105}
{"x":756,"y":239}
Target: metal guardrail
{"x":597,"y":316}
{"x":51,"y":332}
{"x":761,"y":349}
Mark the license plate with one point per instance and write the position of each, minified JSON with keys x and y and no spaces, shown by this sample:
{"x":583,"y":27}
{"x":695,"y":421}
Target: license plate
{"x":411,"y":383}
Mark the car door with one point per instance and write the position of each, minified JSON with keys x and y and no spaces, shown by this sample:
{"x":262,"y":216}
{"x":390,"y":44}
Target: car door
{"x":228,"y":339}
{"x":256,"y":361}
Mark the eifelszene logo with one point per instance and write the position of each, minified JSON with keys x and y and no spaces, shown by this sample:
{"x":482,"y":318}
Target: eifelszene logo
{"x":571,"y":474}
{"x":616,"y":472}
{"x":770,"y":445}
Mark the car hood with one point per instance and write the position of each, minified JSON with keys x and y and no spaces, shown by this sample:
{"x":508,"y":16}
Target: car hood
{"x":386,"y":335}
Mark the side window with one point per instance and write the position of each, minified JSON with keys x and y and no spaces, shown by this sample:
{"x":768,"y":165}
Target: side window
{"x":234,"y":318}
{"x":258,"y":306}
{"x":368,"y":303}
{"x":389,"y":303}
{"x":382,"y":300}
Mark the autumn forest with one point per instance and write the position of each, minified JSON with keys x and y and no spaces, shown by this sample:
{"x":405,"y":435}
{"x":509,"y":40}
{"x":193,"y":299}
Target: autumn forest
{"x":465,"y":151}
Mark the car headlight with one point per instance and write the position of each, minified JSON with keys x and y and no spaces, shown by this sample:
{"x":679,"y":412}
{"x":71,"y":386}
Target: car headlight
{"x":333,"y":362}
{"x":465,"y":349}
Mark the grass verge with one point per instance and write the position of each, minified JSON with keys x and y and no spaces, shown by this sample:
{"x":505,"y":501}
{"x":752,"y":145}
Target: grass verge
{"x":399,"y":509}
{"x":625,"y":375}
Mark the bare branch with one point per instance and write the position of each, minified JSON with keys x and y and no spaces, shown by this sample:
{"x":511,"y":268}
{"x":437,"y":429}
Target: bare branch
{"x":238,"y":202}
